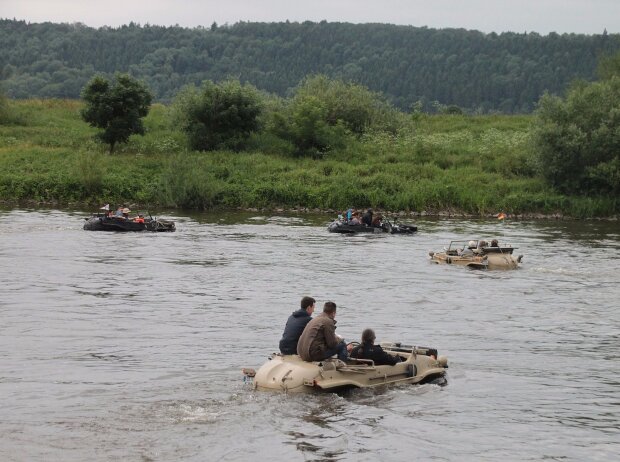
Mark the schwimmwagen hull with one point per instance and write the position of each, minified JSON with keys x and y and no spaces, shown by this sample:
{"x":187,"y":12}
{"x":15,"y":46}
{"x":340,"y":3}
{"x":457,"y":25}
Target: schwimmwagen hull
{"x":289,"y":373}
{"x":476,"y":262}
{"x":491,"y":261}
{"x":345,"y":228}
{"x":99,"y":223}
{"x":492,"y":258}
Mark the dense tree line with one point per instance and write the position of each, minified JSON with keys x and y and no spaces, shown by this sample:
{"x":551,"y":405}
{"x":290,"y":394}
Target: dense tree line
{"x":505,"y":72}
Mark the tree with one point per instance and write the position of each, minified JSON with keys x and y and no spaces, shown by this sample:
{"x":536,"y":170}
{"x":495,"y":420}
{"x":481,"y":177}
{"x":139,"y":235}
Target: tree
{"x":4,"y":108}
{"x":577,"y":139}
{"x":323,"y":112}
{"x":218,"y":116}
{"x":305,"y":125}
{"x":608,"y":66}
{"x":348,"y":103}
{"x":116,"y":107}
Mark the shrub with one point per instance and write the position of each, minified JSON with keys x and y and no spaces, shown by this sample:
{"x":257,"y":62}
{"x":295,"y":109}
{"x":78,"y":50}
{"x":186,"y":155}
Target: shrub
{"x":350,"y":104}
{"x":218,"y":116}
{"x":577,"y":139}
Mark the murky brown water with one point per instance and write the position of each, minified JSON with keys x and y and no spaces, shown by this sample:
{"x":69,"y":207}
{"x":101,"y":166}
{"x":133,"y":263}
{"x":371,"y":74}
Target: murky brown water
{"x":129,"y":346}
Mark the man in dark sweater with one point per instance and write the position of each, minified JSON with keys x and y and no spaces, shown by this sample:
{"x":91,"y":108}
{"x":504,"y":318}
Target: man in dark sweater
{"x":295,"y":326}
{"x":367,"y":218}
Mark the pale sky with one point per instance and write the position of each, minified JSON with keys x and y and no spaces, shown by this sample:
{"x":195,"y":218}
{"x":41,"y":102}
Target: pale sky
{"x":542,"y":16}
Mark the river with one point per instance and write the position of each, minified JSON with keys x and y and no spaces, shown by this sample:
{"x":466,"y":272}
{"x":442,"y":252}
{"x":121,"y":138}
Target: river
{"x":129,"y":346}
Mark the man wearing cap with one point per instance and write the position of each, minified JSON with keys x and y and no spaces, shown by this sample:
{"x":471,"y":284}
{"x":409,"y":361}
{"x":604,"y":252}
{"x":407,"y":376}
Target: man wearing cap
{"x":295,"y":326}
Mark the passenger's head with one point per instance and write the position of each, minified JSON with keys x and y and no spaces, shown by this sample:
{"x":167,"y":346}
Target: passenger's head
{"x":330,"y":309}
{"x":307,"y":302}
{"x":494,"y":243}
{"x":368,"y":336}
{"x":471,"y":244}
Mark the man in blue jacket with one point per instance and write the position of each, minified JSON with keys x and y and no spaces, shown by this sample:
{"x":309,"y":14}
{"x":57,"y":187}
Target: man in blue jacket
{"x":295,"y":326}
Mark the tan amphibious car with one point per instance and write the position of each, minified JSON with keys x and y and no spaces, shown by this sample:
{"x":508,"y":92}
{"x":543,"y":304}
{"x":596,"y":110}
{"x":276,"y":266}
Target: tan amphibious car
{"x":477,"y":254}
{"x":289,"y":373}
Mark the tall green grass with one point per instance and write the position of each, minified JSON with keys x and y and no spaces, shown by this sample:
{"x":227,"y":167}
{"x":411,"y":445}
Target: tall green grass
{"x":478,"y":165}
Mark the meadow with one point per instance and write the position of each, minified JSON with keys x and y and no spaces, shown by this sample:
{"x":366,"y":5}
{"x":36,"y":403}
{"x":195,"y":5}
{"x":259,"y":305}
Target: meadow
{"x":436,"y":164}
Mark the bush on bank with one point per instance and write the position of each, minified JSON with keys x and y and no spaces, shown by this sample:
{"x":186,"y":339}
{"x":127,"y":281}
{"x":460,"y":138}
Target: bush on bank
{"x":577,"y":138}
{"x":471,"y":164}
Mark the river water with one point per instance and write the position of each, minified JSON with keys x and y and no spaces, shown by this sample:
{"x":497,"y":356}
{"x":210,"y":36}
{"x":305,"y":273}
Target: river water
{"x":129,"y":346}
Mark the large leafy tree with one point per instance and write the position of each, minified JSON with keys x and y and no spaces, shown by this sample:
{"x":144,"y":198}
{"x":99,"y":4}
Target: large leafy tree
{"x":304,"y":123}
{"x":348,"y":103}
{"x":117,"y":107}
{"x":218,"y":116}
{"x":577,"y":138}
{"x":324,"y":111}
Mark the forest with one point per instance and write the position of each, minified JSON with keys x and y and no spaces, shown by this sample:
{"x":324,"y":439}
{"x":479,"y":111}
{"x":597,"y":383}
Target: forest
{"x":475,"y":72}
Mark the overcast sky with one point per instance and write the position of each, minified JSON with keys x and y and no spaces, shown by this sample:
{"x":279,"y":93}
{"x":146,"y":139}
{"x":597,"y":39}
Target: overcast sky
{"x":542,"y":16}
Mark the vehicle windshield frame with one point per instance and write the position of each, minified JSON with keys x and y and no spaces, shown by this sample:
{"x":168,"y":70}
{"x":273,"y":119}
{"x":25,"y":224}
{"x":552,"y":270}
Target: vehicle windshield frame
{"x":460,"y":245}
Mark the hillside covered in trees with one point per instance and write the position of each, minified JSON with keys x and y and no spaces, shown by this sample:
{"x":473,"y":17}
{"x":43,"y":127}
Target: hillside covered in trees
{"x":479,"y":72}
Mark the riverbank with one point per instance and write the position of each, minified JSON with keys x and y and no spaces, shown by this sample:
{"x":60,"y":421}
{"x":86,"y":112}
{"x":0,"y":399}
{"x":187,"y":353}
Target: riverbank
{"x":328,"y":213}
{"x":470,"y":166}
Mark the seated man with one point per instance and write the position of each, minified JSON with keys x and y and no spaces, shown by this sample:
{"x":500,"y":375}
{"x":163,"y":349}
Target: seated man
{"x":466,"y":252}
{"x":295,"y":325}
{"x":349,"y":213}
{"x":367,"y":218}
{"x":319,"y":340}
{"x":368,"y":350}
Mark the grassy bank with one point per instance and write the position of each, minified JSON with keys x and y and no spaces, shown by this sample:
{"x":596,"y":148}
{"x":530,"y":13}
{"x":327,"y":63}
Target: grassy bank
{"x":476,"y":165}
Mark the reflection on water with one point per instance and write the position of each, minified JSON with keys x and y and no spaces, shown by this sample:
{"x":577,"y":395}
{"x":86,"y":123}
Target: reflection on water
{"x":129,"y":346}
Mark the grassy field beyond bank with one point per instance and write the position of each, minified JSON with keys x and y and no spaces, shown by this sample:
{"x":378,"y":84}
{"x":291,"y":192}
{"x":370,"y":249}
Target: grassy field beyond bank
{"x":477,"y":165}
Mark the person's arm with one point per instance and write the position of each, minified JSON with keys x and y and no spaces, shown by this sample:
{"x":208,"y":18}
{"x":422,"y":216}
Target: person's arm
{"x":330,"y":335}
{"x":386,"y":357}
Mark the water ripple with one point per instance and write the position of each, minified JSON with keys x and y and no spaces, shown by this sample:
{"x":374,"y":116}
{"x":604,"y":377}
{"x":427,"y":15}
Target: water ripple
{"x":129,"y":346}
